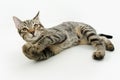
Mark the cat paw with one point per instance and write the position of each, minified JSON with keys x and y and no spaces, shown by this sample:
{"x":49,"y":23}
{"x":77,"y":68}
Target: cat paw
{"x":98,"y":55}
{"x":110,"y":47}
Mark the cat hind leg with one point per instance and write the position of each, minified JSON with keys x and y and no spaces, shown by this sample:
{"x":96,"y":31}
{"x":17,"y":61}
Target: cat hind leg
{"x":108,"y":44}
{"x":94,"y":40}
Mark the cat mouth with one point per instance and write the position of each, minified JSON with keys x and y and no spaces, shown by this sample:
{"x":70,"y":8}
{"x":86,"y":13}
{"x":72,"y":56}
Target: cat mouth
{"x":33,"y":35}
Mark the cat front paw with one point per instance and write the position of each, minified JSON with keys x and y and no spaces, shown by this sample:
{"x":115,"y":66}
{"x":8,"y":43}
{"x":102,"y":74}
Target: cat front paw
{"x":98,"y":55}
{"x":30,"y":51}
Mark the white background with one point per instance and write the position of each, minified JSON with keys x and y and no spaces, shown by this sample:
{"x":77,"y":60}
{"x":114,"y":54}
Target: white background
{"x":72,"y":64}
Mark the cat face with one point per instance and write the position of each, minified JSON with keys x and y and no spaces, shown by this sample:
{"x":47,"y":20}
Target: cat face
{"x":29,"y":30}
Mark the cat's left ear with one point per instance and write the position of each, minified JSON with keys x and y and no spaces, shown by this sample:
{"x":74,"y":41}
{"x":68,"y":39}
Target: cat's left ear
{"x":17,"y":22}
{"x":36,"y":17}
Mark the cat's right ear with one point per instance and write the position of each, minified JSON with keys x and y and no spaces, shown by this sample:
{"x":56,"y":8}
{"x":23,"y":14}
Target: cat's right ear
{"x":17,"y":22}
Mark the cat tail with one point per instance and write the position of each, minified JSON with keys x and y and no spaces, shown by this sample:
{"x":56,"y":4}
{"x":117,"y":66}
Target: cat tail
{"x":107,"y":36}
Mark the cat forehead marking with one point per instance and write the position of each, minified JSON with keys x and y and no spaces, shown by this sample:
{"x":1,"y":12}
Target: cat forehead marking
{"x":28,"y":23}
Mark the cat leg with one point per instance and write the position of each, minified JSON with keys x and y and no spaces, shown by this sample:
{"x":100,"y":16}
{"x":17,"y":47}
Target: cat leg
{"x":100,"y":49}
{"x":108,"y":44}
{"x":41,"y":50}
{"x":47,"y":53}
{"x":92,"y":38}
{"x":33,"y":52}
{"x":30,"y":51}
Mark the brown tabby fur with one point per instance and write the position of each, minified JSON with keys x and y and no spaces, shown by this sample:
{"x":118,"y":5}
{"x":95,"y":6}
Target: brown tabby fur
{"x":43,"y":43}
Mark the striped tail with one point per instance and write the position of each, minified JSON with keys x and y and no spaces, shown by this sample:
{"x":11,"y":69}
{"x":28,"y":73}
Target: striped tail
{"x":107,"y":36}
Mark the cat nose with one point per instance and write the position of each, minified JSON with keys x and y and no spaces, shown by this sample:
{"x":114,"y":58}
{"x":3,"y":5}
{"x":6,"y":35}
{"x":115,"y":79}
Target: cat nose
{"x":31,"y":31}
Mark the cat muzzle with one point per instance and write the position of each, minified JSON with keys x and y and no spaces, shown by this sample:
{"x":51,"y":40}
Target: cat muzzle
{"x":32,"y":31}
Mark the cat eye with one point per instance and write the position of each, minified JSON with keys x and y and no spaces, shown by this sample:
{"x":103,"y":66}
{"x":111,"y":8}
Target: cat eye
{"x":24,"y":29}
{"x":36,"y":25}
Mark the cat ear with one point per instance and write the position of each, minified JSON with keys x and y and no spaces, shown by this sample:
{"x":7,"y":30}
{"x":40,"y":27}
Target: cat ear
{"x":17,"y":22}
{"x":36,"y":17}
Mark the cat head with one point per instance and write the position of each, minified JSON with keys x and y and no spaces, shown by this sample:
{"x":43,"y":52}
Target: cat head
{"x":29,"y":30}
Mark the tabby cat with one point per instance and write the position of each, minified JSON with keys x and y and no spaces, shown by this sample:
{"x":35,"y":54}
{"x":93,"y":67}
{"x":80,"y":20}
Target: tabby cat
{"x":43,"y":43}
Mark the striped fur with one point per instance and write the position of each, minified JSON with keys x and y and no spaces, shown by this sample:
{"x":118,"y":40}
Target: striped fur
{"x":43,"y":43}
